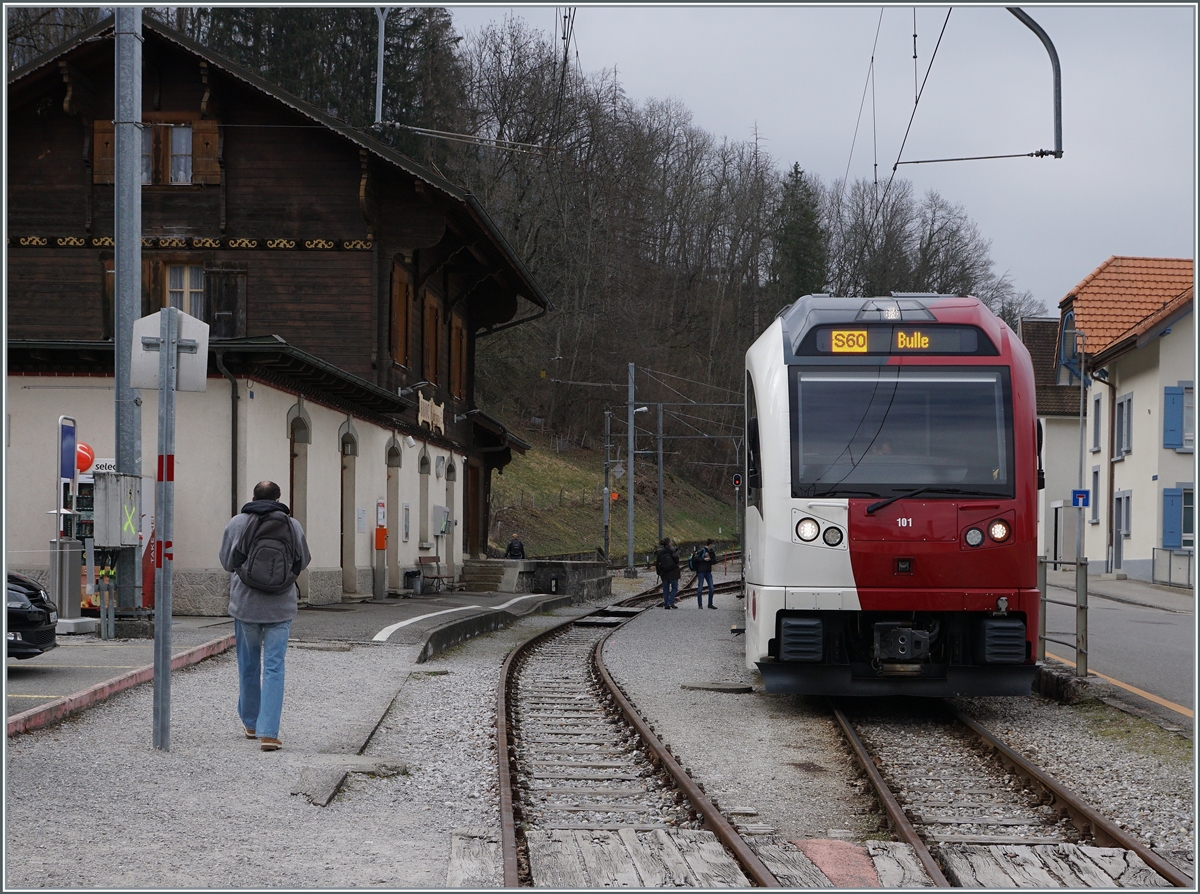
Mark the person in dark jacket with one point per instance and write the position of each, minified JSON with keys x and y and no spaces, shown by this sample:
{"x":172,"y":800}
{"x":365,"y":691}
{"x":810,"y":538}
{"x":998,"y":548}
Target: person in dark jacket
{"x":516,"y":549}
{"x":261,"y":623}
{"x":666,"y":563}
{"x":704,"y":564}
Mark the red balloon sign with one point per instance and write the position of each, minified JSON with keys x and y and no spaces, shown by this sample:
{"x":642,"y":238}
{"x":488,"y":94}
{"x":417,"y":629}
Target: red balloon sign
{"x":84,"y":457}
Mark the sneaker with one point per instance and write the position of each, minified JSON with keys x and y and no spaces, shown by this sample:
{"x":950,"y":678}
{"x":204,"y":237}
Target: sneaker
{"x":250,"y":734}
{"x":664,"y":605}
{"x":270,"y":744}
{"x":710,"y":605}
{"x":672,"y":606}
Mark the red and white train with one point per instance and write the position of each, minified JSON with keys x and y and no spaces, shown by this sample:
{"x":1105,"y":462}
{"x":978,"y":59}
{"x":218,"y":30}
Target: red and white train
{"x":891,"y":500}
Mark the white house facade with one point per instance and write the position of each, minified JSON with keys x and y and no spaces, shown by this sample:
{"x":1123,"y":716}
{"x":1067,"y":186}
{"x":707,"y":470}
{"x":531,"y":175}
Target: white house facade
{"x":1139,"y":458}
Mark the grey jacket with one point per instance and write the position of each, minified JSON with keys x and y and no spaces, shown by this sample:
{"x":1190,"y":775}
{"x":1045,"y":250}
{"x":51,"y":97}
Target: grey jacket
{"x":250,"y":605}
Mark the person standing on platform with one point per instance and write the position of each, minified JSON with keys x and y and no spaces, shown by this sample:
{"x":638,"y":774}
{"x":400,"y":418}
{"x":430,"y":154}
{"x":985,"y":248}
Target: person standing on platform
{"x":705,"y":559}
{"x":264,"y":550}
{"x":666,"y":563}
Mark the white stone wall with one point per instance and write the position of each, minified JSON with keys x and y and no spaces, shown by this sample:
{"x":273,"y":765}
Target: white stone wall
{"x":202,"y":478}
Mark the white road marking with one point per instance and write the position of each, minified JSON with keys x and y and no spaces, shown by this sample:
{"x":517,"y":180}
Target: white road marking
{"x":382,"y":635}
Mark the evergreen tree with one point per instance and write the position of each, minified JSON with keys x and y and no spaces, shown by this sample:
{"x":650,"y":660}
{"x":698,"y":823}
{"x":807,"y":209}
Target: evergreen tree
{"x":799,"y":241}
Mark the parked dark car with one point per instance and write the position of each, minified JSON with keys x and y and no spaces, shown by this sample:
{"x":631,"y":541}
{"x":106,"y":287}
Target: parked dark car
{"x":32,"y":618}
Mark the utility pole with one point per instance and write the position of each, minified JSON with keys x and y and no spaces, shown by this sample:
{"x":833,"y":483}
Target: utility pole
{"x":127,"y":270}
{"x":381,"y":12}
{"x":630,"y":571}
{"x":1081,"y":594}
{"x":660,"y":476}
{"x":607,"y":490}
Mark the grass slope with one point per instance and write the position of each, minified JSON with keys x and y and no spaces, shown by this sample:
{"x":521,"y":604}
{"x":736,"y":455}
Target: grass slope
{"x":555,"y":502}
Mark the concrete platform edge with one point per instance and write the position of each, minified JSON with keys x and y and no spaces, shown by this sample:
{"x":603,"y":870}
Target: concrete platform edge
{"x":44,"y":715}
{"x":440,"y":638}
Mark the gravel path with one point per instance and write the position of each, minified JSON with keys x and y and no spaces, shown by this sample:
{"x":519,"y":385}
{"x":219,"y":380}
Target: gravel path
{"x":86,"y":795}
{"x":779,"y":755}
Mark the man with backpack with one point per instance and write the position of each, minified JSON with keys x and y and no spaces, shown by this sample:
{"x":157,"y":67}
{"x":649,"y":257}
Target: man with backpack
{"x":666,"y":563}
{"x":705,"y":557}
{"x":264,"y":549}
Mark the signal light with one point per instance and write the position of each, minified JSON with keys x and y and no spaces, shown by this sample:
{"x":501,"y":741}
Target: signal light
{"x":974,"y":537}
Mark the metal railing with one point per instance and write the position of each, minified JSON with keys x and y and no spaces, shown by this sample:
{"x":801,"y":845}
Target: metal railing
{"x":1172,"y":567}
{"x":1080,"y":643}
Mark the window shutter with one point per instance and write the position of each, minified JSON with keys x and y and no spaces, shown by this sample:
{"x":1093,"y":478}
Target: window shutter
{"x":152,"y":290}
{"x":432,"y":336}
{"x":1172,"y":416}
{"x":458,"y":356}
{"x":1172,"y":527}
{"x":205,"y":141}
{"x":400,"y":311}
{"x":225,"y":300}
{"x":103,"y":152}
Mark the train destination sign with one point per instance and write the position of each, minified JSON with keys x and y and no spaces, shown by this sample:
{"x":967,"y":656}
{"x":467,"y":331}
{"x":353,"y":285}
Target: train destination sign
{"x":921,"y":339}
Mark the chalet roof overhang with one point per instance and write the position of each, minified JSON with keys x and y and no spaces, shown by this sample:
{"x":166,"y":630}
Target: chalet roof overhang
{"x":509,"y":269}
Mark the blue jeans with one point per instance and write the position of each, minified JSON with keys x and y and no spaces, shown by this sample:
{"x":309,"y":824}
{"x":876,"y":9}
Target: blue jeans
{"x":670,"y":588}
{"x":701,"y":577}
{"x":260,"y":652}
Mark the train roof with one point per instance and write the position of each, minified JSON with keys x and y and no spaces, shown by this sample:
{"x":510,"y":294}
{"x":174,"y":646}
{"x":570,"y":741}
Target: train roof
{"x":800,"y":317}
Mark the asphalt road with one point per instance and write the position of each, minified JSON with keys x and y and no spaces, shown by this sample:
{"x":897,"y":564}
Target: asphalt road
{"x":1152,"y":649}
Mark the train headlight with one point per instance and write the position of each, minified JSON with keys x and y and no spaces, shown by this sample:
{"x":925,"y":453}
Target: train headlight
{"x":974,"y":537}
{"x":832,"y":535}
{"x":999,"y":530}
{"x":807,"y":529}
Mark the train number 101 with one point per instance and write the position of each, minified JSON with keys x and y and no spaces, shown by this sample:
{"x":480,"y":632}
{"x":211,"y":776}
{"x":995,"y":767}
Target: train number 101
{"x":904,"y":522}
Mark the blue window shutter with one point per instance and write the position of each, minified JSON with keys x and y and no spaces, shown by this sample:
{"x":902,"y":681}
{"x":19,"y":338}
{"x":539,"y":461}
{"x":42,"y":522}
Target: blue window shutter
{"x":1173,"y":416}
{"x":1172,"y":518}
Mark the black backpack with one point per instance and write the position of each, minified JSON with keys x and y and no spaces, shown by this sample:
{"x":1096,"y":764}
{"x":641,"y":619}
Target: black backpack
{"x":693,"y":562}
{"x":267,"y":556}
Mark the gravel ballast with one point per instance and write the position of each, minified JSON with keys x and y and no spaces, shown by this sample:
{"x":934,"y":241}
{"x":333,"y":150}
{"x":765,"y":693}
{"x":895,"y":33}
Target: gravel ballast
{"x":90,"y":802}
{"x":784,"y":757}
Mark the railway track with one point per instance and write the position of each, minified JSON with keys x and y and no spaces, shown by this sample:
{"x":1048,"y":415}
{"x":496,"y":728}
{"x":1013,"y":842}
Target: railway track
{"x":949,"y":786}
{"x":590,"y":797}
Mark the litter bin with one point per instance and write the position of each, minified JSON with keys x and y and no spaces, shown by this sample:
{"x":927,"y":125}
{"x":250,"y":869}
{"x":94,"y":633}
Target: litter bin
{"x":412,"y":580}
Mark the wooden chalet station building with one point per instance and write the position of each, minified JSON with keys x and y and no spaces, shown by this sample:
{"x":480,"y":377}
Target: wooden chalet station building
{"x":345,"y":287}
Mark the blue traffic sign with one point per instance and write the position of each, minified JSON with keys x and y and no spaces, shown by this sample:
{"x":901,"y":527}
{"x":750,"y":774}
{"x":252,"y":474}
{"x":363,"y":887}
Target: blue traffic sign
{"x":1079,"y":498}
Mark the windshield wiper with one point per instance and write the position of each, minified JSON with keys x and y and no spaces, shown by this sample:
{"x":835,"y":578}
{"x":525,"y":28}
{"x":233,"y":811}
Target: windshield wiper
{"x":929,"y":488}
{"x":839,"y":491}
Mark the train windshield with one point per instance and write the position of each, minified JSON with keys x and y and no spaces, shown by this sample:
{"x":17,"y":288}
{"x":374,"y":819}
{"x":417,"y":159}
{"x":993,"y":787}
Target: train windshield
{"x":885,"y":430}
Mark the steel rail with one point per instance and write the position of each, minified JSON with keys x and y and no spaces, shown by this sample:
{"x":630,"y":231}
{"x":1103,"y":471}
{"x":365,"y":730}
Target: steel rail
{"x":508,"y":827}
{"x":1085,"y":818}
{"x":504,"y":752}
{"x":901,"y":825}
{"x":714,"y":820}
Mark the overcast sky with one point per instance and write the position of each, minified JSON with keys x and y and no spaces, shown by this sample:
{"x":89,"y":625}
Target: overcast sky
{"x":1124,"y":186}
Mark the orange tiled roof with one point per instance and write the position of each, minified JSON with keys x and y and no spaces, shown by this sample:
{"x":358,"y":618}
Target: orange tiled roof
{"x":1123,"y":292}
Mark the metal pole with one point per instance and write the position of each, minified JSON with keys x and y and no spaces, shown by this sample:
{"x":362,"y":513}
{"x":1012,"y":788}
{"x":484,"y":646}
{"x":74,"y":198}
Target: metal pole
{"x":1081,"y":618}
{"x":381,"y":13}
{"x":660,"y":476}
{"x":164,"y":501}
{"x":1082,"y":431}
{"x":607,"y":490}
{"x":1041,"y":585}
{"x":127,"y":132}
{"x":1033,"y":26}
{"x":630,"y":571}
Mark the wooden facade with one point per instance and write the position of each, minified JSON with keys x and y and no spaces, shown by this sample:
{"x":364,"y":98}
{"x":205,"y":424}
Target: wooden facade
{"x":264,"y":217}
